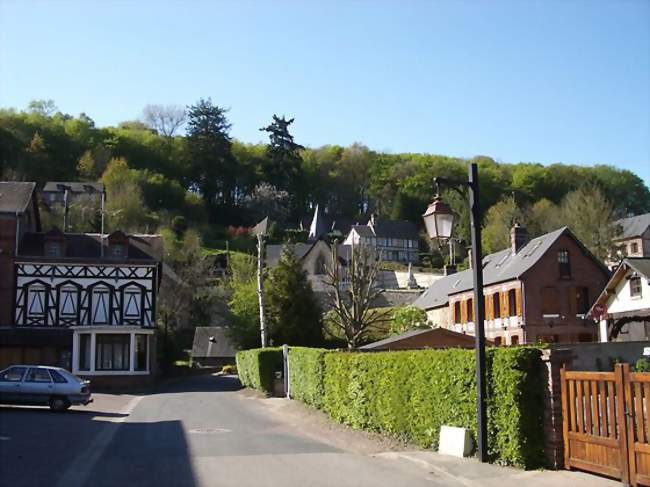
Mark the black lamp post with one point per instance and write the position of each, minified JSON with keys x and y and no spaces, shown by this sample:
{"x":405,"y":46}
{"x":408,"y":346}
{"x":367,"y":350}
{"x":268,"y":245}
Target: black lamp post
{"x":439,"y":221}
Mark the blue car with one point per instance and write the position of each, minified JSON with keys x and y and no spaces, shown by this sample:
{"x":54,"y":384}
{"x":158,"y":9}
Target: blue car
{"x":39,"y":385}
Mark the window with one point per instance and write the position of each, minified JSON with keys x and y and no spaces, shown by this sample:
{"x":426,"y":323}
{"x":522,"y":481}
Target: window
{"x":634,"y":248}
{"x":320,"y":265}
{"x":38,"y":375}
{"x":635,"y":287}
{"x":53,"y":249}
{"x":514,"y":340}
{"x":84,"y":351}
{"x":457,"y":312}
{"x":14,"y":374}
{"x":101,"y":305}
{"x":512,"y":303}
{"x":118,"y":250}
{"x":36,"y":301}
{"x":497,"y":341}
{"x":582,"y":300}
{"x":550,"y":302}
{"x":470,"y":309}
{"x":496,"y":305}
{"x":564,"y":264}
{"x":58,"y":378}
{"x":141,"y":352}
{"x":402,"y":255}
{"x":68,"y":300}
{"x":112,"y":352}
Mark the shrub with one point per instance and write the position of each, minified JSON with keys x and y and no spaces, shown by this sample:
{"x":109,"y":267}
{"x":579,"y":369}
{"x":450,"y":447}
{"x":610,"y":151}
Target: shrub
{"x":306,"y":374}
{"x":642,"y":365}
{"x":412,"y":394}
{"x":229,"y":369}
{"x":257,"y":367}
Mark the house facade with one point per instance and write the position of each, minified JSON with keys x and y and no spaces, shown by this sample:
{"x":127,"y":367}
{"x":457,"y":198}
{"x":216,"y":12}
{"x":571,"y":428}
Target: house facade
{"x":622,"y":310}
{"x":537,"y":290}
{"x":82,"y":301}
{"x":634,"y":240}
{"x":394,"y":240}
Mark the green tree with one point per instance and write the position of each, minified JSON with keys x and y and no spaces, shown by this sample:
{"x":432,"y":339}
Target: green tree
{"x":499,"y":219}
{"x":212,"y":164}
{"x":243,"y":302}
{"x":282,"y":168}
{"x":292,"y":311}
{"x":406,"y":318}
{"x":590,"y":216}
{"x":542,"y":217}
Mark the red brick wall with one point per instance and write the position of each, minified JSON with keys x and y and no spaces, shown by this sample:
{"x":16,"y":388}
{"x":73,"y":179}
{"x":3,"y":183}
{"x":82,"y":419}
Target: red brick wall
{"x":584,"y":273}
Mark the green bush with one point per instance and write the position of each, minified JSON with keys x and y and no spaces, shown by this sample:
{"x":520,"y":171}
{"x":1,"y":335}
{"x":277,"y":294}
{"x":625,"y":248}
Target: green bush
{"x":642,"y":365}
{"x":306,"y":374}
{"x":257,"y":367}
{"x":412,"y":394}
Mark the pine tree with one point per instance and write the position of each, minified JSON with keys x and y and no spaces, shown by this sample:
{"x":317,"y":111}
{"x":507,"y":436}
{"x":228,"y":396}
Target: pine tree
{"x":293,"y":313}
{"x":283,"y":165}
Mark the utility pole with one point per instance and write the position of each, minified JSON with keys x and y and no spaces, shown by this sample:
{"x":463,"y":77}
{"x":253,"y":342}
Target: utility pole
{"x":260,"y":286}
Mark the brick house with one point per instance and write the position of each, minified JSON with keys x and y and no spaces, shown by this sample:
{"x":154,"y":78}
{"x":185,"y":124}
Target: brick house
{"x":82,"y":301}
{"x":634,"y":240}
{"x":537,"y":290}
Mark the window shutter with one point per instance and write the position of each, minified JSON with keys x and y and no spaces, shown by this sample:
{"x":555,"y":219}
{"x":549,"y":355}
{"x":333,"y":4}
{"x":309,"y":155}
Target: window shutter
{"x":463,"y":313}
{"x":486,"y":301}
{"x":573,"y":302}
{"x":504,"y":304}
{"x":518,"y":298}
{"x":453,"y":312}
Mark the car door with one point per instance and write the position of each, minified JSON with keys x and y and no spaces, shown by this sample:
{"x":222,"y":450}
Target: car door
{"x":11,"y":384}
{"x":37,"y":386}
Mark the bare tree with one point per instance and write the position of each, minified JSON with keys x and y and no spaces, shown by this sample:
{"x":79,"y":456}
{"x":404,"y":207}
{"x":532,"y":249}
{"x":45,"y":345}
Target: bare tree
{"x":353,"y":291}
{"x":165,"y":119}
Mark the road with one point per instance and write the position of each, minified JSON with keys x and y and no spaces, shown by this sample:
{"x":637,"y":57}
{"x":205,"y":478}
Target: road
{"x":198,"y":432}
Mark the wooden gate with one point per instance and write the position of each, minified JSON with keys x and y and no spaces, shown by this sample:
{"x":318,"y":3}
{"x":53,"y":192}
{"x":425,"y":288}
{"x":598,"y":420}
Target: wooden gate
{"x":605,"y":423}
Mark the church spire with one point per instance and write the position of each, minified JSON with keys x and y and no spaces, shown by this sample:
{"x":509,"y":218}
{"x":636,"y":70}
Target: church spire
{"x":318,"y":226}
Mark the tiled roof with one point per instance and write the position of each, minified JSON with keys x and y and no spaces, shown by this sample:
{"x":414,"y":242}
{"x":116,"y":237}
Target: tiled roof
{"x":15,"y":196}
{"x":220,"y":346}
{"x":88,"y":246}
{"x":437,"y":337}
{"x":74,"y":186}
{"x":641,"y":265}
{"x":498,"y":267}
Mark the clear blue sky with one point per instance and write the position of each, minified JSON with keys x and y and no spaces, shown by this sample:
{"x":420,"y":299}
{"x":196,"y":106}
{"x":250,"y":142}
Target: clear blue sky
{"x":554,"y":81}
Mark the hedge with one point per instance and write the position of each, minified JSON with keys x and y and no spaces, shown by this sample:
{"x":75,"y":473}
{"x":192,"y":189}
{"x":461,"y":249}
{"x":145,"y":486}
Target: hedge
{"x":257,"y":367}
{"x":412,"y":394}
{"x":306,"y":375}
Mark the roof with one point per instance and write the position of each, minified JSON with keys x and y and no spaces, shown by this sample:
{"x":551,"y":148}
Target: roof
{"x":318,"y":226}
{"x":638,"y":264}
{"x":363,"y":231}
{"x":274,"y":251}
{"x":423,"y":338}
{"x":73,"y":186}
{"x":15,"y":196}
{"x":633,"y":226}
{"x":262,"y":227}
{"x":498,"y":267}
{"x":395,"y":229}
{"x":88,"y":246}
{"x":220,"y":346}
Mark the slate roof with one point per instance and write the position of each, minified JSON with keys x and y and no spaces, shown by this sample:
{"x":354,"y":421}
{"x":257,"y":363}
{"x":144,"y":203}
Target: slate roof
{"x":395,"y":229}
{"x":300,"y":250}
{"x":363,"y":230}
{"x":318,"y":226}
{"x":498,"y":267}
{"x":641,"y":265}
{"x":15,"y":196}
{"x":633,"y":226}
{"x":73,"y":186}
{"x":88,"y":246}
{"x":222,"y":345}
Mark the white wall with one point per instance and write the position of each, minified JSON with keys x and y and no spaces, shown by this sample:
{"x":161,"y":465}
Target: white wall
{"x":622,"y":302}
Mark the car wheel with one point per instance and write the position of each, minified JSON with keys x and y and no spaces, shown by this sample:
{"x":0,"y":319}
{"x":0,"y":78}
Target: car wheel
{"x":59,"y":404}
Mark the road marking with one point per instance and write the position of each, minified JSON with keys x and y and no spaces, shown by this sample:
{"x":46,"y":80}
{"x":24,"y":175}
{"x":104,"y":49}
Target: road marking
{"x":79,"y":470}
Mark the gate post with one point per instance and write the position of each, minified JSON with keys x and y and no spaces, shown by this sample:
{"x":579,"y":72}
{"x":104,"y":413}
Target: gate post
{"x":553,"y":359}
{"x":623,"y":406}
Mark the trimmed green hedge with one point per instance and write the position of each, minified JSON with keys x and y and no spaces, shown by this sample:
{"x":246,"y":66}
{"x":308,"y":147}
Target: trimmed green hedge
{"x":412,"y":394}
{"x":257,"y":367}
{"x":306,"y":375}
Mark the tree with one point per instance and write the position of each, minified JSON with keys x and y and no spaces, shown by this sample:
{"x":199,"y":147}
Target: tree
{"x":499,"y":219}
{"x":590,"y":217}
{"x":543,"y":217}
{"x":243,"y":302}
{"x":44,"y":108}
{"x":353,"y":291}
{"x":86,"y":167}
{"x":212,"y":164}
{"x":164,"y":119}
{"x":292,"y":311}
{"x":267,"y":200}
{"x":407,"y":318}
{"x":125,"y":206}
{"x":283,"y":165}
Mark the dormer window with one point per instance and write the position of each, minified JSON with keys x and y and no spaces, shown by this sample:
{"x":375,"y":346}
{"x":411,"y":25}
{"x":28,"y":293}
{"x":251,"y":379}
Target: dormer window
{"x":118,"y":245}
{"x":54,"y":243}
{"x":118,"y":251}
{"x":53,"y":249}
{"x":564,"y":264}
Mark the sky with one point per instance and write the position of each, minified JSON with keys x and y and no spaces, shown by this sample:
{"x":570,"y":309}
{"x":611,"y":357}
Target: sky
{"x":520,"y":81}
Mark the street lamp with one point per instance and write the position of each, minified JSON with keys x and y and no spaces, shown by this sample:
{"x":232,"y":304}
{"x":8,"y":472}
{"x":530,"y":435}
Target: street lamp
{"x":439,"y":221}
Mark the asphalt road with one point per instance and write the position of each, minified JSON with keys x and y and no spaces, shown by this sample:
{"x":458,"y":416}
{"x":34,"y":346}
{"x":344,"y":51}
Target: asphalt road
{"x":199,"y":432}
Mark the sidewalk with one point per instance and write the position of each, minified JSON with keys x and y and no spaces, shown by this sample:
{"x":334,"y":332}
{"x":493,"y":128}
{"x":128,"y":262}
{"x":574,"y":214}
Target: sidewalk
{"x":471,"y":473}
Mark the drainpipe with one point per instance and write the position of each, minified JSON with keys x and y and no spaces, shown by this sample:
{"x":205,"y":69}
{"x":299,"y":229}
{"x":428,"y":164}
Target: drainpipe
{"x":101,"y":235}
{"x":17,"y":234}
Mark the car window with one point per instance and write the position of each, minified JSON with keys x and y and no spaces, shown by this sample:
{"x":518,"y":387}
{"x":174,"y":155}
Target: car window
{"x":58,"y":378}
{"x":38,"y":375}
{"x":14,"y":374}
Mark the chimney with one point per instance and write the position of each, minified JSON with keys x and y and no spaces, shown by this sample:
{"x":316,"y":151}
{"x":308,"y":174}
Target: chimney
{"x":518,"y":237}
{"x":449,"y":270}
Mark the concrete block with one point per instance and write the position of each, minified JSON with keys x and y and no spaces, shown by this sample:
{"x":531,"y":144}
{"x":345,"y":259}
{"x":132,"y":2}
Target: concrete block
{"x":455,"y":441}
